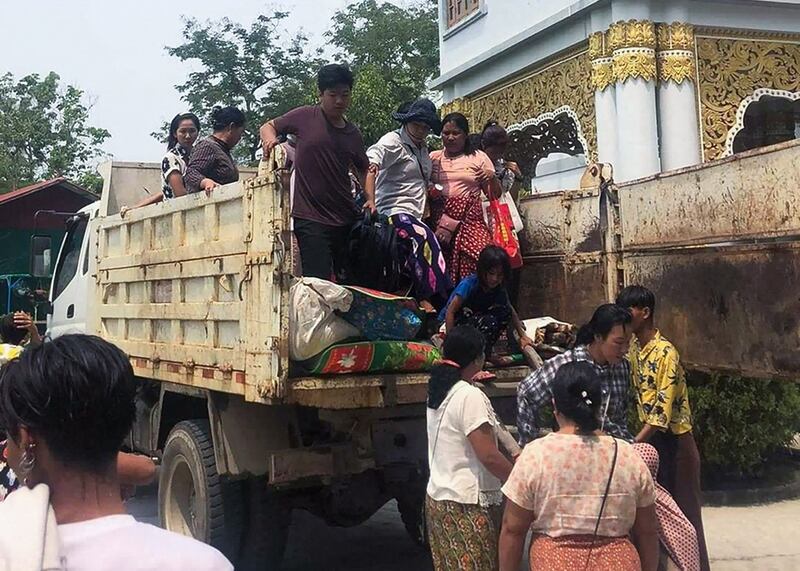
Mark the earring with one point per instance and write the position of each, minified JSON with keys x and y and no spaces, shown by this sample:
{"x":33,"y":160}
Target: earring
{"x":27,"y":463}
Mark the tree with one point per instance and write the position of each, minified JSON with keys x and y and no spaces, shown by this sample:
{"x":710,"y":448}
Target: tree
{"x":255,"y":69}
{"x":393,"y":51}
{"x":44,"y":132}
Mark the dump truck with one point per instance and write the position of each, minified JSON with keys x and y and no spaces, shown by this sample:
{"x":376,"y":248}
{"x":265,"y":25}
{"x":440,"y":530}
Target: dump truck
{"x":195,"y":290}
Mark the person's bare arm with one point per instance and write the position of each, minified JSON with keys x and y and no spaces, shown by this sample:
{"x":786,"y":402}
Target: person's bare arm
{"x":175,"y":181}
{"x":483,"y":442}
{"x":368,"y":184}
{"x":516,"y":522}
{"x":524,"y":340}
{"x":645,"y":537}
{"x":452,"y":311}
{"x":646,"y":433}
{"x":493,"y":189}
{"x":269,"y":137}
{"x":23,"y":320}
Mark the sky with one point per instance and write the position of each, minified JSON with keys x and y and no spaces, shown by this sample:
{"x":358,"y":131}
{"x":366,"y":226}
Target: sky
{"x":114,"y":51}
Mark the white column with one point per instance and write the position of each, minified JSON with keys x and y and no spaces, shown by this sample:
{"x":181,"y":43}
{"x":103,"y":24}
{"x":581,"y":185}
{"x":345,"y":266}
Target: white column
{"x":633,"y":44}
{"x":680,"y":133}
{"x":605,"y":104}
{"x":638,"y":130}
{"x":604,"y":98}
{"x":677,"y":99}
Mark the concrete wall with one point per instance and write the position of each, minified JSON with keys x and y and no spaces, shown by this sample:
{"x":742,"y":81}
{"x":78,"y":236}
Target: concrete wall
{"x":501,"y":20}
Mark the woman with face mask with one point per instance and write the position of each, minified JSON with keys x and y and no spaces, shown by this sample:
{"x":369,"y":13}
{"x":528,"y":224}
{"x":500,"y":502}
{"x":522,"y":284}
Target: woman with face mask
{"x":398,"y":177}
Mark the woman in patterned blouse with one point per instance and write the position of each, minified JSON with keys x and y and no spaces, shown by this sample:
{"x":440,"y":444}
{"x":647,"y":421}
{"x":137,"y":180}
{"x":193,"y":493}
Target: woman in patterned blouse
{"x":183,"y":131}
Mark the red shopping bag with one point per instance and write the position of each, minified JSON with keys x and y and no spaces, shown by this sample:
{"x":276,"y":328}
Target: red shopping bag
{"x":502,"y":227}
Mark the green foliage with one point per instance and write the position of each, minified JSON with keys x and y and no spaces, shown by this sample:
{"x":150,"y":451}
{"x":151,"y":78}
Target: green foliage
{"x":256,"y":69}
{"x":393,"y":51}
{"x":739,"y":422}
{"x":44,"y":131}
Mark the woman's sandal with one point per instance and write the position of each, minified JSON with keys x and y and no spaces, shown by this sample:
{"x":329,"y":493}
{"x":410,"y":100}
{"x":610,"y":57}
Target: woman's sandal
{"x":484,"y":377}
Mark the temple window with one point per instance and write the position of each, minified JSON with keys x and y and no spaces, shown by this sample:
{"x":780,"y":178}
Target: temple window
{"x":458,"y":10}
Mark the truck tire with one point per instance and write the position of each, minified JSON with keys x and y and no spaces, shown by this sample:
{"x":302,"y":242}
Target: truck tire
{"x":266,"y":528}
{"x":192,"y":499}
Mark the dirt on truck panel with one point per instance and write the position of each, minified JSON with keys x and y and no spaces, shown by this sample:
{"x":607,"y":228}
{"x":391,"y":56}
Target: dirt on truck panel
{"x":718,"y":244}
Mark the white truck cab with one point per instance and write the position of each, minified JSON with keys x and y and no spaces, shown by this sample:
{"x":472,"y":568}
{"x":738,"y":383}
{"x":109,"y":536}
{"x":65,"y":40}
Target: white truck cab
{"x":72,"y":279}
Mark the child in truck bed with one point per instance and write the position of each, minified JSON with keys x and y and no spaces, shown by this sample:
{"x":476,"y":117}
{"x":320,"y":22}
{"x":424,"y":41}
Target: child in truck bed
{"x":481,"y":300}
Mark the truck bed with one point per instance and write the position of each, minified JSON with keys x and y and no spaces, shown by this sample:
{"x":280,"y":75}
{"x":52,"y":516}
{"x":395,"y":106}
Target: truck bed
{"x":377,"y":391}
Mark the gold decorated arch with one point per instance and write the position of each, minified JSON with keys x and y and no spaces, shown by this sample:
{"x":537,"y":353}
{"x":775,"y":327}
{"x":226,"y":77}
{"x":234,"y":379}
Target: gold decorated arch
{"x":731,"y":69}
{"x":563,"y":83}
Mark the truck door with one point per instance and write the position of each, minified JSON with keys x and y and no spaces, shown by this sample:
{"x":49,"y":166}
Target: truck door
{"x":69,"y":288}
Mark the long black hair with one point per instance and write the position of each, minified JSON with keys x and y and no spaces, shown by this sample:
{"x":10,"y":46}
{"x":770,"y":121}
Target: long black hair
{"x":172,"y":139}
{"x":605,"y":318}
{"x":493,"y":256}
{"x":577,"y":394}
{"x":461,"y":122}
{"x":76,"y":393}
{"x":462,"y":346}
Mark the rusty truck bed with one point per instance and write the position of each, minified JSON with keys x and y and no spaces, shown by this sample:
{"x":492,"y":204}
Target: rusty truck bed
{"x":377,"y":391}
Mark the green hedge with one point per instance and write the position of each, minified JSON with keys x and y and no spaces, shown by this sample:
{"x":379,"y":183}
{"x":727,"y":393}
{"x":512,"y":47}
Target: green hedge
{"x":739,"y":423}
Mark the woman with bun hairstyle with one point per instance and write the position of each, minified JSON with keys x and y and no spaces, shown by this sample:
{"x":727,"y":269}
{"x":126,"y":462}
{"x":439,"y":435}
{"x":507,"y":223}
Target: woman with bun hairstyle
{"x":463,"y":507}
{"x":211,"y":163}
{"x":587,"y":497}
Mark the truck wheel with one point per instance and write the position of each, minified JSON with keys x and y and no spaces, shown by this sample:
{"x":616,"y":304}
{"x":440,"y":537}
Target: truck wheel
{"x":192,"y":499}
{"x":267,"y":528}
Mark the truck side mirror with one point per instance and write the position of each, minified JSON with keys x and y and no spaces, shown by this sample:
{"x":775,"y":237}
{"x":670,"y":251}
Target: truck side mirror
{"x":41,"y":256}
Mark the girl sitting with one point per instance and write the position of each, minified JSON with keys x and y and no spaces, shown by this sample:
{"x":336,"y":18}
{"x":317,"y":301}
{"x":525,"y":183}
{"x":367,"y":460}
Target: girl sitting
{"x":481,"y":300}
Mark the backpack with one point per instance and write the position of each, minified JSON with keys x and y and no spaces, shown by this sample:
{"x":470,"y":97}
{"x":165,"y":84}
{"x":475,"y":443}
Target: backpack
{"x":377,"y":254}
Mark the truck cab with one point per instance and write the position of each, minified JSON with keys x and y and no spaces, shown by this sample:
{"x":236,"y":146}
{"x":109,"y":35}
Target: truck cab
{"x":72,"y":280}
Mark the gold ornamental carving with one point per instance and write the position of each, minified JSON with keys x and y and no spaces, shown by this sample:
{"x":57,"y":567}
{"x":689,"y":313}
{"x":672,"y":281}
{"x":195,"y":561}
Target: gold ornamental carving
{"x":675,"y":36}
{"x":632,"y":34}
{"x":633,"y":44}
{"x":565,"y":83}
{"x":730,"y":70}
{"x":602,"y":73}
{"x":676,"y":66}
{"x":598,"y":46}
{"x":631,"y":63}
{"x":461,"y":105}
{"x":675,"y":56}
{"x":601,"y":61}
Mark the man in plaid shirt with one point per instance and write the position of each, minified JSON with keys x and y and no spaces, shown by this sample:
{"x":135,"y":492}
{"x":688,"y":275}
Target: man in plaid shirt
{"x":604,"y":342}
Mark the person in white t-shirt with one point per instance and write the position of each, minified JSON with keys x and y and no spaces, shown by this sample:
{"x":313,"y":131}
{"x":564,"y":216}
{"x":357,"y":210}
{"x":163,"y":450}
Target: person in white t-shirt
{"x":463,"y":506}
{"x":67,"y":406}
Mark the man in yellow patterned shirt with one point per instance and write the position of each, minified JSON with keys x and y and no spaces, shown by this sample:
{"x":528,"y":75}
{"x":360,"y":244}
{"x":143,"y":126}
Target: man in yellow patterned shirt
{"x":662,"y":399}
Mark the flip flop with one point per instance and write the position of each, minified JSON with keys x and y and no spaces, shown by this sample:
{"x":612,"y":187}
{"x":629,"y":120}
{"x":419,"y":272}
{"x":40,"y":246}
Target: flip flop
{"x":484,"y":377}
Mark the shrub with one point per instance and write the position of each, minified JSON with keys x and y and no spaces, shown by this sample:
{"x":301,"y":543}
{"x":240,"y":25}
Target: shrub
{"x":740,"y":422}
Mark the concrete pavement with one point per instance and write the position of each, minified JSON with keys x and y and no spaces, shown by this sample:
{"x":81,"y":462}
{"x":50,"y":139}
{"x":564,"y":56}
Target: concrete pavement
{"x":755,"y":538}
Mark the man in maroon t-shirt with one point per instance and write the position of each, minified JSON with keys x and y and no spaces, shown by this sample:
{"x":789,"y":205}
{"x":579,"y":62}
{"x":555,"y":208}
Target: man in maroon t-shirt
{"x":328,"y":146}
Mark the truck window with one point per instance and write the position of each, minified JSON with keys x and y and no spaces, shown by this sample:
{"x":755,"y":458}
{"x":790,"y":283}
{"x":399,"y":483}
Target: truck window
{"x":68,"y":263}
